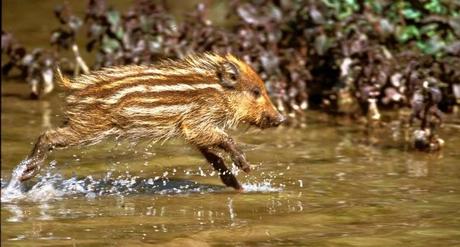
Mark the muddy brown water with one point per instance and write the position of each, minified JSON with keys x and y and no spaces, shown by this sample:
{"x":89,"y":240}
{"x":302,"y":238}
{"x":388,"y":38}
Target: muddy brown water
{"x":325,"y":183}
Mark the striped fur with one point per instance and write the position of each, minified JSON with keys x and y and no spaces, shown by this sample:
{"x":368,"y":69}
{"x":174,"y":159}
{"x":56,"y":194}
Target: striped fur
{"x":168,"y":92}
{"x":203,"y":65}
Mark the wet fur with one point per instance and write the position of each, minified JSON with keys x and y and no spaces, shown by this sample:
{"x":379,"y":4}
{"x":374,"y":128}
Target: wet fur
{"x":196,"y":98}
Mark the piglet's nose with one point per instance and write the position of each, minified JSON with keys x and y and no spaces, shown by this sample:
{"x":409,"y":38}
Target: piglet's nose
{"x":279,"y":120}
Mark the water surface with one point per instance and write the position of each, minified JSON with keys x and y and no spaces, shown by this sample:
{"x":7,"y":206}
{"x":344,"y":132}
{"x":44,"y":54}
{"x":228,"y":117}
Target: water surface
{"x":324,"y":183}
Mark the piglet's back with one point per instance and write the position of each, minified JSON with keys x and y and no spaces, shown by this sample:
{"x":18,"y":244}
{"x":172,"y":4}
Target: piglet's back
{"x":149,"y":100}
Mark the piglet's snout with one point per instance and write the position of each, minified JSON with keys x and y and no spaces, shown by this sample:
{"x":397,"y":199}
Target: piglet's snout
{"x":274,"y":121}
{"x":278,"y":120}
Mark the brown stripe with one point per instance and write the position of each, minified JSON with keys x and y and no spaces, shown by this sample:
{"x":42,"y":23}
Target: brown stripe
{"x":174,"y":96}
{"x":112,"y":78}
{"x":131,"y":121}
{"x":163,"y":101}
{"x":165,"y":98}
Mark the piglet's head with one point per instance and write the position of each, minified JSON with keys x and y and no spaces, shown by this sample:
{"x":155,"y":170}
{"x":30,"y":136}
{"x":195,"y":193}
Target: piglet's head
{"x":247,"y":94}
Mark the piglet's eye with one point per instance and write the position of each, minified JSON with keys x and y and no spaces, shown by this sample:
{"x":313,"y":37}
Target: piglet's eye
{"x":256,"y":92}
{"x":233,"y":77}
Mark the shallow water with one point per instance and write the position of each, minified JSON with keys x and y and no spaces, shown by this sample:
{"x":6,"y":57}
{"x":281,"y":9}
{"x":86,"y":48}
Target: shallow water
{"x":324,"y":183}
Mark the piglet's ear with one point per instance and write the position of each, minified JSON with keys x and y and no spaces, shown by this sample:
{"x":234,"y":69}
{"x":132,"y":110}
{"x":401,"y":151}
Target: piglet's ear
{"x":228,"y":74}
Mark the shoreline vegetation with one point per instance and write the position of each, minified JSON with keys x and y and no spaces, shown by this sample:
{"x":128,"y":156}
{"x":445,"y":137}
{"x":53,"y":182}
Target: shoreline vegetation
{"x":352,"y":58}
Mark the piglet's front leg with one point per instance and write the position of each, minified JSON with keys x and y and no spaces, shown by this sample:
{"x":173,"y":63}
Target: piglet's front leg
{"x":217,"y":162}
{"x":237,"y":156}
{"x":215,"y":137}
{"x":212,"y":138}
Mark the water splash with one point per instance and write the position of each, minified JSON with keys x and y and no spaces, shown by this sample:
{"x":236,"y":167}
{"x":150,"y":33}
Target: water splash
{"x":53,"y":186}
{"x":265,"y":186}
{"x":13,"y":190}
{"x":42,"y":191}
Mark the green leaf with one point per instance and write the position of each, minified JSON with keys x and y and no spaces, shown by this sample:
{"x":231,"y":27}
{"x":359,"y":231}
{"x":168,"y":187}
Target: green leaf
{"x":146,"y":23}
{"x":411,"y":14}
{"x":434,"y":6}
{"x":376,"y":6}
{"x":403,"y":34}
{"x":430,"y":29}
{"x":109,"y":45}
{"x":422,"y":45}
{"x":352,"y":4}
{"x":330,"y":4}
{"x":433,"y":46}
{"x":113,"y":17}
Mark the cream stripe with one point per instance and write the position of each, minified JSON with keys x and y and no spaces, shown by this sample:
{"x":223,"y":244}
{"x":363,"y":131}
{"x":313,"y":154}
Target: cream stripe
{"x":135,"y":78}
{"x":113,"y":99}
{"x":132,"y":79}
{"x":91,"y":100}
{"x":157,"y":110}
{"x":115,"y":73}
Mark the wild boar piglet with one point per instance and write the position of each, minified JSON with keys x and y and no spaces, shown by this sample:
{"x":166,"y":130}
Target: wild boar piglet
{"x":196,"y":98}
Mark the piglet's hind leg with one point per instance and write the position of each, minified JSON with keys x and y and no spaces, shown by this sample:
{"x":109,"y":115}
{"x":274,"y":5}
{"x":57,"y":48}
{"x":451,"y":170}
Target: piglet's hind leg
{"x":57,"y":138}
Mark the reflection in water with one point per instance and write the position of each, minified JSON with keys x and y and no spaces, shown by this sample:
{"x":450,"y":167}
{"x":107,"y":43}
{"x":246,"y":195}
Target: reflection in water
{"x":44,"y":209}
{"x":231,"y":213}
{"x":322,"y":185}
{"x":16,"y":211}
{"x":417,"y":168}
{"x":46,"y":114}
{"x":36,"y":230}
